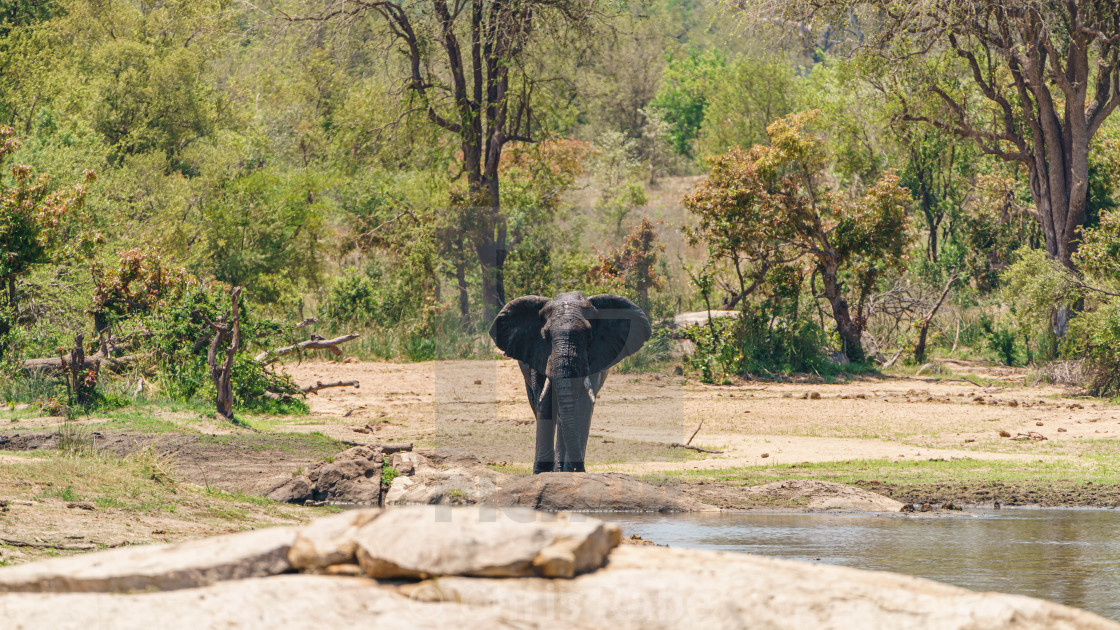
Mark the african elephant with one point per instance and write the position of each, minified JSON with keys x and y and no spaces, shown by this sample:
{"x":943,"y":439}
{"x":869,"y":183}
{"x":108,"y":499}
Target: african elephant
{"x":565,"y":347}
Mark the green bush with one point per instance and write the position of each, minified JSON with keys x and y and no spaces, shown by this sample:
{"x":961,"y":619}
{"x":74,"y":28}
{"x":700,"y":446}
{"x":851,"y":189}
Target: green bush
{"x":180,"y":344}
{"x":759,"y":341}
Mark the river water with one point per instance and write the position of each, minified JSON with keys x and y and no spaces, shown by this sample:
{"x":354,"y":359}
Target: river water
{"x":1067,"y":556}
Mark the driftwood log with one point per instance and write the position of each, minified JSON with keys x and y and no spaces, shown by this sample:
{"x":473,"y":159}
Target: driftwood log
{"x":310,"y":344}
{"x":386,"y":449}
{"x":311,"y":389}
{"x":57,"y":364}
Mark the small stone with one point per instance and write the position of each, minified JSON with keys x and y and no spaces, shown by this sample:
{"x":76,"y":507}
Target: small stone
{"x":765,"y":455}
{"x":1004,"y":434}
{"x":1061,"y":430}
{"x":1038,"y":424}
{"x":478,"y":382}
{"x":814,"y":396}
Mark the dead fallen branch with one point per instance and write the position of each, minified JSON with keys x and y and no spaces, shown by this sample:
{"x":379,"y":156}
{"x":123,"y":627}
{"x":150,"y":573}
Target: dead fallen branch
{"x":15,"y":542}
{"x":310,"y":344}
{"x":311,"y":389}
{"x":57,"y":364}
{"x":695,"y":448}
{"x":1032,"y":436}
{"x":386,"y":449}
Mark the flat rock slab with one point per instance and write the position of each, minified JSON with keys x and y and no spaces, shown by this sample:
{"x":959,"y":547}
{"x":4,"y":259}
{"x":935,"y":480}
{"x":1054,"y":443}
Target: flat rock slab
{"x":285,"y":602}
{"x":642,"y":588}
{"x":419,"y":542}
{"x":651,"y":588}
{"x":191,"y":564}
{"x":600,"y":492}
{"x":813,"y":495}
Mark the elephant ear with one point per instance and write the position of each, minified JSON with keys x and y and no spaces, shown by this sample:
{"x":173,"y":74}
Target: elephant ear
{"x":517,"y":331}
{"x":618,"y":329}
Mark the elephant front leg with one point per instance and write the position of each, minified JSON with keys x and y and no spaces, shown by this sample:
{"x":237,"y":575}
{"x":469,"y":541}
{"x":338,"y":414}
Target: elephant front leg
{"x":575,"y":426}
{"x":544,"y":460}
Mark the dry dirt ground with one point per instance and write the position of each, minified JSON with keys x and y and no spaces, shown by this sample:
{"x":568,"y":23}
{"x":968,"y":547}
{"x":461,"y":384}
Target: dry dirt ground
{"x":480,"y":406}
{"x":970,"y":434}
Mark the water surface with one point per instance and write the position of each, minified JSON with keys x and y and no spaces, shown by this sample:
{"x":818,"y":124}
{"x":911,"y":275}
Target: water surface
{"x":1066,"y":556}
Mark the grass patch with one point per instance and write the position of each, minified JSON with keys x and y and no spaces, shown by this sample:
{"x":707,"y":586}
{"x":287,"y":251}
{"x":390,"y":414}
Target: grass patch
{"x":1082,"y":482}
{"x":916,"y":472}
{"x":511,"y":469}
{"x":314,"y":444}
{"x":140,"y":421}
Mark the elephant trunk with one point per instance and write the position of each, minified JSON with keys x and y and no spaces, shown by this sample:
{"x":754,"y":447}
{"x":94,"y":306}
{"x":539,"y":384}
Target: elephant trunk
{"x":573,"y":420}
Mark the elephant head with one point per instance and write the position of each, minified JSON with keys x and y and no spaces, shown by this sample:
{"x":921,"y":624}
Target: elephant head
{"x":565,"y":346}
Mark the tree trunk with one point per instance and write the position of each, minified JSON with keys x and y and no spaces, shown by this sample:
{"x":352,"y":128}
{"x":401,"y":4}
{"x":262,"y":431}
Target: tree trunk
{"x":923,"y":330}
{"x":492,"y":250}
{"x":12,"y":303}
{"x":849,"y":332}
{"x":222,"y":373}
{"x":461,"y":284}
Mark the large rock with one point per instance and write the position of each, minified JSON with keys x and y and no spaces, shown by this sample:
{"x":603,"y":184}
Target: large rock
{"x":352,"y":476}
{"x":810,"y":494}
{"x":329,"y":540}
{"x":646,"y":588}
{"x":409,"y":463}
{"x":467,"y":482}
{"x":158,"y":567}
{"x":653,"y":587}
{"x":425,"y":541}
{"x":603,"y":492}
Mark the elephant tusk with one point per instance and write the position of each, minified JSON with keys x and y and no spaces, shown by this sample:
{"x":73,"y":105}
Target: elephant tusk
{"x":544,"y":392}
{"x":590,"y":391}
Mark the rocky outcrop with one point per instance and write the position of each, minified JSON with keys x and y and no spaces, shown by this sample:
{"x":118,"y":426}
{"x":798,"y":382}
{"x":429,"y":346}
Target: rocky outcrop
{"x":605,"y":492}
{"x":468,"y":482}
{"x":352,"y":476}
{"x":640,"y":587}
{"x":813,"y":495}
{"x":158,"y":567}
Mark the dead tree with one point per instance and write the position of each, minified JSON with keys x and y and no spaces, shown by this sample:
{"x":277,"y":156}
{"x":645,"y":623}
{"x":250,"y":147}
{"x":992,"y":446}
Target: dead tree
{"x":81,"y":373}
{"x":226,"y":329}
{"x":923,"y":328}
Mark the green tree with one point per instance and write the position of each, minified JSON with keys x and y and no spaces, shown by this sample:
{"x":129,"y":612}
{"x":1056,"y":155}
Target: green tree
{"x":743,"y":98}
{"x":33,"y":216}
{"x":683,"y":96}
{"x":778,"y":199}
{"x":472,"y":72}
{"x":1029,"y":82}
